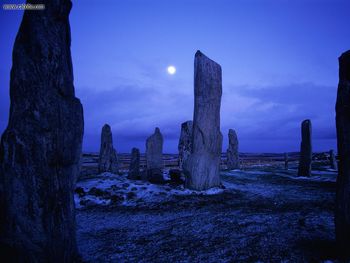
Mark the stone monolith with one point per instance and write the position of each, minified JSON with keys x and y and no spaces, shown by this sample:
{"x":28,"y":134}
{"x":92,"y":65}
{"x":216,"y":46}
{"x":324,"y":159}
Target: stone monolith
{"x":232,"y":151}
{"x":154,"y":157}
{"x":108,"y":159}
{"x":342,"y":213}
{"x":185,"y":142}
{"x":332,"y":160}
{"x":134,"y":168}
{"x":305,"y":149}
{"x":41,"y":146}
{"x":203,"y":165}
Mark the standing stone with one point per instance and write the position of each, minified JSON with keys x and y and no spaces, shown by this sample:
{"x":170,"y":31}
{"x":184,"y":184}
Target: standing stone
{"x":342,"y":214}
{"x":202,"y":166}
{"x":185,"y":142}
{"x":154,"y":157}
{"x":41,"y":146}
{"x":305,"y":149}
{"x":333,"y":160}
{"x":108,"y":159}
{"x":286,"y":160}
{"x":134,"y":170}
{"x":232,"y":151}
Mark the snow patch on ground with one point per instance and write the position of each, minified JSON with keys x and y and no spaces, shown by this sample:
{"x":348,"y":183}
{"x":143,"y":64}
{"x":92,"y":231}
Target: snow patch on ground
{"x":108,"y":188}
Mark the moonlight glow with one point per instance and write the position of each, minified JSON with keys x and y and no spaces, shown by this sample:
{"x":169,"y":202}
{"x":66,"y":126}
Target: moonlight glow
{"x":171,"y":70}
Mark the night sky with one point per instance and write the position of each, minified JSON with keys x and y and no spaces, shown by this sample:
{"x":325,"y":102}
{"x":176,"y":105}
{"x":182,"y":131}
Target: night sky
{"x":279,"y":62}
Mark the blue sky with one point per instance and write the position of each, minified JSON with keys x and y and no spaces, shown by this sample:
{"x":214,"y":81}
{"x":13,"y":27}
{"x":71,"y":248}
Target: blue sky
{"x":279,"y":62}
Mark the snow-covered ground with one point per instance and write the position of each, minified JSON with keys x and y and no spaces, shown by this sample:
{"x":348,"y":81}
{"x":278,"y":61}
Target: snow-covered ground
{"x":111,"y":189}
{"x":260,"y":214}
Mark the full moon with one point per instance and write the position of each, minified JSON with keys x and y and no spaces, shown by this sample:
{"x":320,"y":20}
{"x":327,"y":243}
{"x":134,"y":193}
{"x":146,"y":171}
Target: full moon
{"x":171,"y":70}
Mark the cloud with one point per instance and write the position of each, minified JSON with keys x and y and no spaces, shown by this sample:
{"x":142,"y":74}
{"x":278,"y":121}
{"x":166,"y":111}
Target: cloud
{"x":276,"y":111}
{"x":259,"y":113}
{"x":134,"y":111}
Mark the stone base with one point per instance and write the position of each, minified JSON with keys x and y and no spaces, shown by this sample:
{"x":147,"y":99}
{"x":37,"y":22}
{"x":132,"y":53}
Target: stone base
{"x":155,"y":176}
{"x":202,"y":171}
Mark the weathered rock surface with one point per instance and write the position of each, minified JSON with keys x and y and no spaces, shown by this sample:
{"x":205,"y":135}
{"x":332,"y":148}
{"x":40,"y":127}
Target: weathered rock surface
{"x":342,"y":214}
{"x":202,"y":166}
{"x":286,"y":161}
{"x":305,"y":149}
{"x":333,"y":160}
{"x":154,"y":157}
{"x":185,"y":142}
{"x":41,"y":146}
{"x":232,"y":151}
{"x":134,"y":169}
{"x":108,"y":159}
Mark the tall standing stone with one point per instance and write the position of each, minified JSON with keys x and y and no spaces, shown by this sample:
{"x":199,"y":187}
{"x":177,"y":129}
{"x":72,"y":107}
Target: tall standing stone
{"x":203,"y":165}
{"x":185,"y":142}
{"x":108,"y":159}
{"x":232,"y":151}
{"x":342,"y":214}
{"x":154,"y":157}
{"x":333,"y":160}
{"x":305,"y":149}
{"x":41,"y":146}
{"x":134,"y":169}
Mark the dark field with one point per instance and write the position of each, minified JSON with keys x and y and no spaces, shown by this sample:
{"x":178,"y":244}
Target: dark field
{"x":262,"y":213}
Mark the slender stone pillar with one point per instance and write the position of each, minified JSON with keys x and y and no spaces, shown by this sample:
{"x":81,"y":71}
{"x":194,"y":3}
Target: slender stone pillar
{"x":185,"y":142}
{"x":232,"y":151}
{"x":305,"y":149}
{"x":342,"y":213}
{"x":134,"y":170}
{"x":154,"y":157}
{"x":108,"y":159}
{"x":333,"y":160}
{"x":203,"y":165}
{"x":41,"y":146}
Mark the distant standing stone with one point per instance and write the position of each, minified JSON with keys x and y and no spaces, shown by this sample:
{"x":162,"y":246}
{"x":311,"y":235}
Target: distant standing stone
{"x":342,"y":214}
{"x":305,"y":149}
{"x":333,"y":160}
{"x":154,"y":157}
{"x":286,"y":160}
{"x":185,"y":142}
{"x":232,"y":151}
{"x":134,"y":170}
{"x":203,"y":165}
{"x":108,"y":160}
